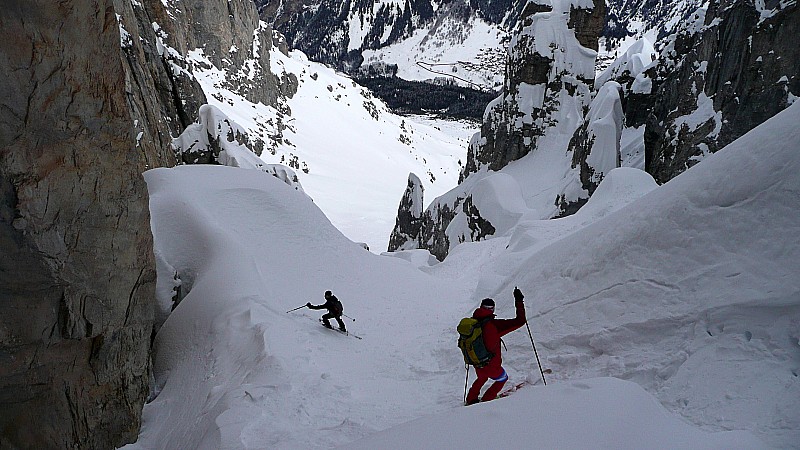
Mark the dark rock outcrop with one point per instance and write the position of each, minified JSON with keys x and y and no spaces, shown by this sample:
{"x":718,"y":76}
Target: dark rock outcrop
{"x":479,"y":227}
{"x":418,"y":229}
{"x":77,"y":271}
{"x":435,"y":220}
{"x":432,"y":233}
{"x":727,"y":71}
{"x":406,"y":232}
{"x":588,"y":23}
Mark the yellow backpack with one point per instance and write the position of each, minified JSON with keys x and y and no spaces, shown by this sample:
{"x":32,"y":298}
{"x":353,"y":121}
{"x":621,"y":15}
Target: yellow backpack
{"x":470,"y":341}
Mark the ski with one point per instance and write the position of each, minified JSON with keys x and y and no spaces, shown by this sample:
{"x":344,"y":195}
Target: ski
{"x":512,"y":389}
{"x":346,"y":333}
{"x":522,"y":384}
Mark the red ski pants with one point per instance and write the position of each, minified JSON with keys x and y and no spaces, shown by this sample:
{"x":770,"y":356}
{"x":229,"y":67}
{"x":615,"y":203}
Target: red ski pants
{"x":498,"y":374}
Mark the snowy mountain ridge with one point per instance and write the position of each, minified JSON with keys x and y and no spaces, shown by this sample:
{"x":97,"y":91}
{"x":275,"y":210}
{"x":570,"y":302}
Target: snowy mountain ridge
{"x":459,"y":41}
{"x":451,"y":40}
{"x":659,"y":112}
{"x":546,"y":97}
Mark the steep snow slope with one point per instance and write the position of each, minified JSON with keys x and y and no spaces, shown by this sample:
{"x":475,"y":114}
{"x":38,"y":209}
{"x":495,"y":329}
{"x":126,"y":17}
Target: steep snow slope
{"x":234,"y":370}
{"x":691,"y":291}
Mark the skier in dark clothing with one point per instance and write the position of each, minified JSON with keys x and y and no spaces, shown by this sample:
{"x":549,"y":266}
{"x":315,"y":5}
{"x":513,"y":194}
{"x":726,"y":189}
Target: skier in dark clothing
{"x":493,"y":330}
{"x":335,"y":310}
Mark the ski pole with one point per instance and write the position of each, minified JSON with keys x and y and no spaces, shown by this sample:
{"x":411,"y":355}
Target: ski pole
{"x":296,"y":308}
{"x":348,"y":317}
{"x":535,"y":352}
{"x":466,"y":379}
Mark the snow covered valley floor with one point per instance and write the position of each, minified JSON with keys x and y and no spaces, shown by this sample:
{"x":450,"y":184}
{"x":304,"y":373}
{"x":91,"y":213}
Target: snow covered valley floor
{"x":670,"y":316}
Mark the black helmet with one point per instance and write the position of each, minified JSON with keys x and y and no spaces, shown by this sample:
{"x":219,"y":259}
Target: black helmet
{"x":328,"y":294}
{"x":488,"y":304}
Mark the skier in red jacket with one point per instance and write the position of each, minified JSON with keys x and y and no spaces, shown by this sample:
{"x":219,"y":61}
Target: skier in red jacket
{"x":493,"y":330}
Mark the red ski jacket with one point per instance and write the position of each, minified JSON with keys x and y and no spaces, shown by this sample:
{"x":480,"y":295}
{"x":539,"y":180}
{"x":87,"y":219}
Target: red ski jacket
{"x":494,"y":329}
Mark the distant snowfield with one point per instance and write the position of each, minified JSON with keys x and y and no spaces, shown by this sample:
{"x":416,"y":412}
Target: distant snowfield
{"x":688,"y":290}
{"x":350,"y":153}
{"x":361,"y":163}
{"x":466,"y":52}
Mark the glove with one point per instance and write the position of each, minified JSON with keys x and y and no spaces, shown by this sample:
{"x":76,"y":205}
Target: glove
{"x":518,"y":295}
{"x":308,"y":305}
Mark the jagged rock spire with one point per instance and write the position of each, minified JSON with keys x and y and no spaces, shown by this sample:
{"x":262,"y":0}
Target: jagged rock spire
{"x":548,"y":83}
{"x":406,"y":233}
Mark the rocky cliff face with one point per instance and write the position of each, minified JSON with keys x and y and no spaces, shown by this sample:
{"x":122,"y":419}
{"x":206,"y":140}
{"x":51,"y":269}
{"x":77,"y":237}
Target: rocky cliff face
{"x":406,"y":230}
{"x":166,"y":44}
{"x":230,"y":36}
{"x":94,"y":93}
{"x":77,"y":273}
{"x":162,"y":100}
{"x":726,"y":71}
{"x":630,"y":20}
{"x":728,"y":68}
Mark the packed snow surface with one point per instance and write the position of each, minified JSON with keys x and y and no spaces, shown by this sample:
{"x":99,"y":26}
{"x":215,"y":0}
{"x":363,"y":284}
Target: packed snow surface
{"x":687,"y":291}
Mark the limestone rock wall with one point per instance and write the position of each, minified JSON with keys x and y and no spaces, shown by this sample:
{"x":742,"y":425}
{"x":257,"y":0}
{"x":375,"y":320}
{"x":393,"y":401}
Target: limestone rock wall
{"x":163,"y":101}
{"x":94,"y":92}
{"x":231,"y":36}
{"x":76,"y":266}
